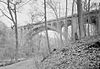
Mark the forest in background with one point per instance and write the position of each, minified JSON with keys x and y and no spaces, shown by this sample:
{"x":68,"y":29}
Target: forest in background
{"x":15,"y":45}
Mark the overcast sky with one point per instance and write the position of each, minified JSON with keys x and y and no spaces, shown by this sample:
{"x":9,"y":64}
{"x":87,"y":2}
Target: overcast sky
{"x":24,"y":18}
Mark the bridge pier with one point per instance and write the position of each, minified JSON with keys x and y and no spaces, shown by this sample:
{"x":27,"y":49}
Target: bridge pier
{"x":75,"y":28}
{"x":98,"y":21}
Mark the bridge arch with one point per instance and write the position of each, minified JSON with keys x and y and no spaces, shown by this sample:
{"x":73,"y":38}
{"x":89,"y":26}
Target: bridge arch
{"x":37,"y":30}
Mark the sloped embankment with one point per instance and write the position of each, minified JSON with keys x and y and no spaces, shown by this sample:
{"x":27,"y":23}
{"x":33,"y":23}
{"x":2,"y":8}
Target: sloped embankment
{"x":84,"y":54}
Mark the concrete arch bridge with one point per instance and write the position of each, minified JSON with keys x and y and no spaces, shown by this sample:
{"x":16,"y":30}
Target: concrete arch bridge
{"x":33,"y":29}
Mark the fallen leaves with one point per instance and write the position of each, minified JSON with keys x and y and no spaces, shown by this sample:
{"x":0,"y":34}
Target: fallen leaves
{"x":83,"y":54}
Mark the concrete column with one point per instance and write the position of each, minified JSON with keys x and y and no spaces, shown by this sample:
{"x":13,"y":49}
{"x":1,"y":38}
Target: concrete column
{"x":98,"y":20}
{"x":75,"y":26}
{"x":98,"y":24}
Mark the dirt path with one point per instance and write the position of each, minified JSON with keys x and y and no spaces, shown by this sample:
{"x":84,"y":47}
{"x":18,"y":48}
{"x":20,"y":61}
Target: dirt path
{"x":27,"y":64}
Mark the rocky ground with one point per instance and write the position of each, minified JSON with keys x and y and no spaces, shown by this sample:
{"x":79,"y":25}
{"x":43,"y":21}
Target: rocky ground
{"x":83,"y":54}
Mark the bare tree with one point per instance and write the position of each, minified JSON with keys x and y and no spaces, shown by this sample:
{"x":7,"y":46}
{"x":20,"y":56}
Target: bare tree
{"x":80,"y":21}
{"x":87,"y":6}
{"x":88,"y":16}
{"x":72,"y":36}
{"x":53,"y":5}
{"x":12,"y":15}
{"x":36,"y":14}
{"x":99,"y":20}
{"x":46,"y":26}
{"x":66,"y":25}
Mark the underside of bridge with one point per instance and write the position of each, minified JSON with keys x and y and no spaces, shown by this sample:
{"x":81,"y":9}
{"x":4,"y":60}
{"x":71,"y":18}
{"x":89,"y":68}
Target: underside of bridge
{"x":52,"y":25}
{"x":37,"y":30}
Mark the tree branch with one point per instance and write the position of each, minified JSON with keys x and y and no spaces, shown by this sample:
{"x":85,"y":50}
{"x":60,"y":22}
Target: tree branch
{"x":3,"y":2}
{"x":5,"y":15}
{"x":23,"y":4}
{"x":54,"y":9}
{"x":10,"y":12}
{"x":15,"y":13}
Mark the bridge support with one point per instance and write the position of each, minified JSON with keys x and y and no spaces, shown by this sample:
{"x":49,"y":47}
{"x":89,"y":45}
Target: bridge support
{"x":98,"y":21}
{"x":59,"y":29}
{"x":75,"y":27}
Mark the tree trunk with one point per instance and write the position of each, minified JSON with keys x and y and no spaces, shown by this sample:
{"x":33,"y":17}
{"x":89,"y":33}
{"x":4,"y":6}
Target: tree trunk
{"x":72,"y":34}
{"x":14,"y":20}
{"x":46,"y":26}
{"x":66,"y":26}
{"x":99,"y":21}
{"x":80,"y":22}
{"x":16,"y":34}
{"x":88,"y":17}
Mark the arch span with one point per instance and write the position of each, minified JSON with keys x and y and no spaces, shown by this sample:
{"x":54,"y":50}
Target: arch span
{"x":37,"y":30}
